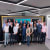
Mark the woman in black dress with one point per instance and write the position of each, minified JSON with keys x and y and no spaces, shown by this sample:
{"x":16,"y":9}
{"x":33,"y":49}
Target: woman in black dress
{"x":20,"y":34}
{"x":35,"y":32}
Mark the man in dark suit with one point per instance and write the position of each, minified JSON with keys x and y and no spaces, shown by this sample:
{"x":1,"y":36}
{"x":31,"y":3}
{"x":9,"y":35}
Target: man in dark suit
{"x":39,"y":30}
{"x":21,"y":24}
{"x":11,"y":33}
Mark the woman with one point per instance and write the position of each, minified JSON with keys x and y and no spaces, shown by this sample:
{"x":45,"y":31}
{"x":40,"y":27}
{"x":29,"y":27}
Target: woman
{"x":44,"y":30}
{"x":35,"y":32}
{"x":31,"y":31}
{"x":28,"y":35}
{"x":20,"y":34}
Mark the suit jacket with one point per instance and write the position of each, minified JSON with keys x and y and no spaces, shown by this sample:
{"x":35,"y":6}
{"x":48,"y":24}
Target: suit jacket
{"x":10,"y":29}
{"x":21,"y":25}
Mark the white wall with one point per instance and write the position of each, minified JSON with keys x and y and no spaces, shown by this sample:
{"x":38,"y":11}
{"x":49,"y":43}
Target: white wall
{"x":48,"y":26}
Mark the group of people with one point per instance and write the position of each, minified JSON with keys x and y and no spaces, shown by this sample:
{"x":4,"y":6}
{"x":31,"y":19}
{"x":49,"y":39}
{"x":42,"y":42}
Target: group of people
{"x":22,"y":32}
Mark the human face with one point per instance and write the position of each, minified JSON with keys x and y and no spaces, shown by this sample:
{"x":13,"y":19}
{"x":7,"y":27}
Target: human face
{"x":9,"y":20}
{"x":34,"y":25}
{"x":16,"y":21}
{"x":28,"y":22}
{"x":24,"y":24}
{"x":24,"y":21}
{"x":20,"y":21}
{"x":6,"y":24}
{"x":44,"y":23}
{"x":39,"y":22}
{"x":34,"y":21}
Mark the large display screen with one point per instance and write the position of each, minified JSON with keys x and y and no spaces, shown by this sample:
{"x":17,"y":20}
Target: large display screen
{"x":22,"y":20}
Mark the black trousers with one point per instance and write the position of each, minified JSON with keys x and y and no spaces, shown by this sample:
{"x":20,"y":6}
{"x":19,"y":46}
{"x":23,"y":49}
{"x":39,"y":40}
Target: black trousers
{"x":23,"y":38}
{"x":35,"y":36}
{"x":31,"y":37}
{"x":15,"y":37}
{"x":19,"y":38}
{"x":43,"y":36}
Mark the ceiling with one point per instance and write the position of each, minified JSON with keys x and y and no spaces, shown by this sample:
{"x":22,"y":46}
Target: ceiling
{"x":29,"y":7}
{"x":12,"y":1}
{"x":37,"y":3}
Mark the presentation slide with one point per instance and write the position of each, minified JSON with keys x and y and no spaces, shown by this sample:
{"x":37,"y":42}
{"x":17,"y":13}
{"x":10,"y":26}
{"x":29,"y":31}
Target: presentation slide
{"x":22,"y":20}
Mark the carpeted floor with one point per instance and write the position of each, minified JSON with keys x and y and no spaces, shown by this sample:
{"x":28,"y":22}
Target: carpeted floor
{"x":33,"y":46}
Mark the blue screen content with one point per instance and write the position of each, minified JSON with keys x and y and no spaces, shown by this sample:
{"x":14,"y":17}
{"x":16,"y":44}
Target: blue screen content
{"x":22,"y":20}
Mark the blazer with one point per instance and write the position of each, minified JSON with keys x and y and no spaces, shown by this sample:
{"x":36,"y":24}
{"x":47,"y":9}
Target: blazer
{"x":21,"y":25}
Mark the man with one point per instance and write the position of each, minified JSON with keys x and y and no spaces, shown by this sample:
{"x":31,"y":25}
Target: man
{"x":9,"y":22}
{"x":24,"y":33}
{"x":28,"y":35}
{"x":39,"y":30}
{"x":25,"y":23}
{"x":21,"y":24}
{"x":11,"y":33}
{"x":6,"y":35}
{"x":31,"y":31}
{"x":13,"y":22}
{"x":37,"y":22}
{"x":31,"y":23}
{"x":20,"y":34}
{"x":15,"y":30}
